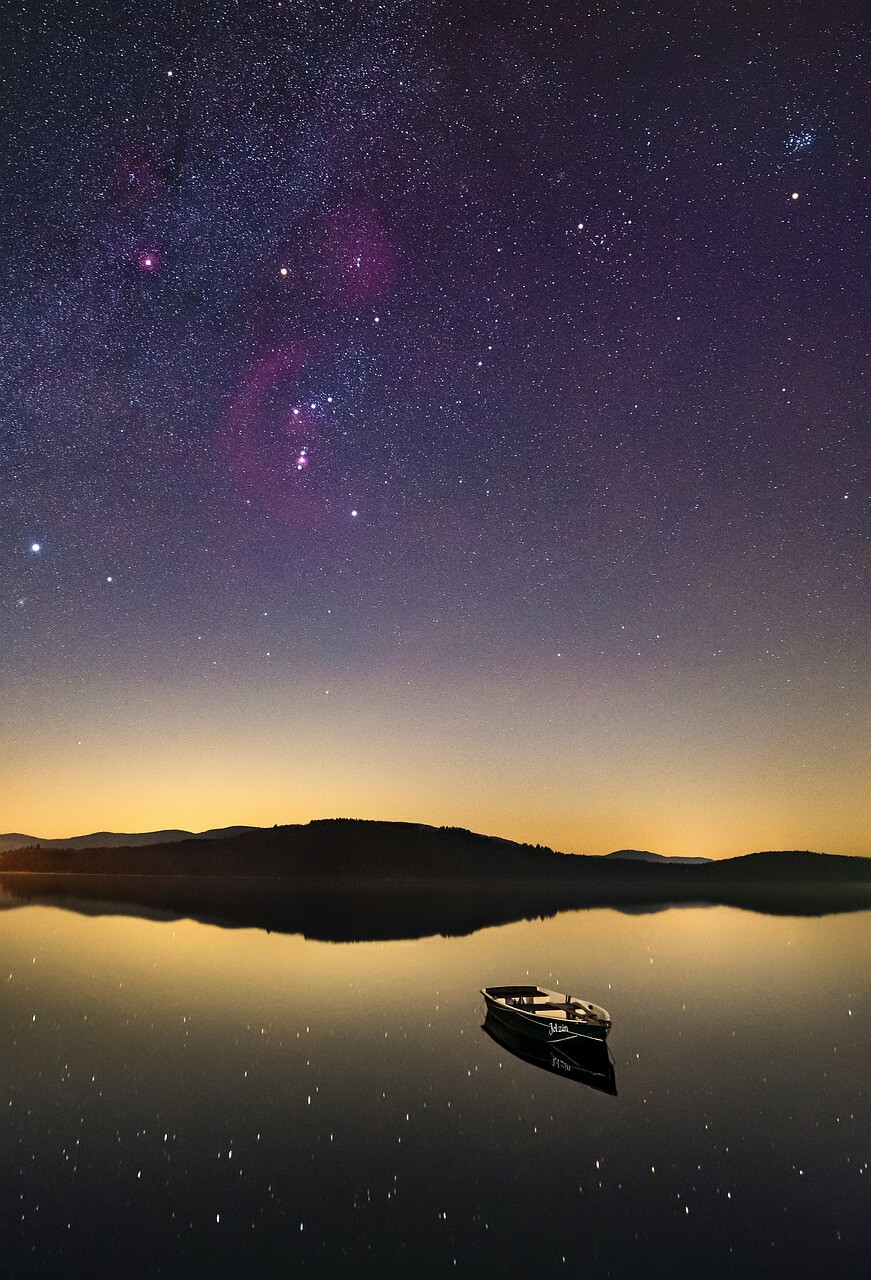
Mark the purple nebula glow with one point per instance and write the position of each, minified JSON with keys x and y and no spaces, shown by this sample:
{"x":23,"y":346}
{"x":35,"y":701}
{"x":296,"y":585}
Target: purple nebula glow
{"x":263,"y":433}
{"x":147,"y":259}
{"x":352,"y":257}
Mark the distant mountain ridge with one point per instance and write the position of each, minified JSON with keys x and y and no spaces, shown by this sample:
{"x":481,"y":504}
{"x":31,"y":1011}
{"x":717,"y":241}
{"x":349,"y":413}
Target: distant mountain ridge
{"x":644,"y":855}
{"x":116,"y":839}
{"x":130,"y":840}
{"x":397,"y":851}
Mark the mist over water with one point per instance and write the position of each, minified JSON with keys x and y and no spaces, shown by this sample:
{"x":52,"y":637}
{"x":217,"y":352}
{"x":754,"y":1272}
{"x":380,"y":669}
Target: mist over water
{"x":187,"y":1100}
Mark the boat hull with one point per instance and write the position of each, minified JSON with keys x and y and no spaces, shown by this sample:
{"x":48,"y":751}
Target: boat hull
{"x":583,"y":1061}
{"x":545,"y":1030}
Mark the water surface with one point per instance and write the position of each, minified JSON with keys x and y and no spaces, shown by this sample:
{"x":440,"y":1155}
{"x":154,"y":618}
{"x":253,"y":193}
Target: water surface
{"x":186,"y":1100}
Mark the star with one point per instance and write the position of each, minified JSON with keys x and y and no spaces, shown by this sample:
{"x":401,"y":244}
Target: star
{"x":147,"y":260}
{"x":36,"y":547}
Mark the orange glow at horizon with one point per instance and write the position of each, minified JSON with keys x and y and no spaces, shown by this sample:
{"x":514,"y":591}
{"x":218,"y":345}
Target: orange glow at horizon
{"x":576,"y":766}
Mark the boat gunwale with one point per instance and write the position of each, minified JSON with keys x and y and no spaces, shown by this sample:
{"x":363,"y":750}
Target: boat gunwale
{"x":600,"y":1026}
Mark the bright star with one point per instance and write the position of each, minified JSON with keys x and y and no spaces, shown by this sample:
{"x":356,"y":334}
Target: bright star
{"x":795,"y":195}
{"x":36,"y":547}
{"x":355,"y":513}
{"x":147,"y":259}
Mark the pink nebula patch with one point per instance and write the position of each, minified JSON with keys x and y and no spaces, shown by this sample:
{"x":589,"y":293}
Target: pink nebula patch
{"x":268,"y":438}
{"x":352,"y":257}
{"x":147,"y":259}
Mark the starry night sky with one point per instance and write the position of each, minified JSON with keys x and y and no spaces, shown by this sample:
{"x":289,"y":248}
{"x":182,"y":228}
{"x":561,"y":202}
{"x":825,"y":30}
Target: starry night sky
{"x":437,"y":411}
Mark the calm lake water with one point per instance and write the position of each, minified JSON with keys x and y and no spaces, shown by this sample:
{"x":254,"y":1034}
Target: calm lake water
{"x":185,"y":1100}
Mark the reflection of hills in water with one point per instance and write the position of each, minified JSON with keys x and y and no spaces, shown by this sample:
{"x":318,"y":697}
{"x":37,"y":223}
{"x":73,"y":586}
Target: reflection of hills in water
{"x":343,"y":880}
{"x":332,"y":911}
{"x":584,"y":1061}
{"x":358,"y":910}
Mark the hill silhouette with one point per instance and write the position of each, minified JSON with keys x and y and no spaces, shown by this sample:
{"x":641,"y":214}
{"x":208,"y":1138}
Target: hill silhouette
{"x":114,"y":839}
{"x":644,"y":855}
{"x":344,"y":878}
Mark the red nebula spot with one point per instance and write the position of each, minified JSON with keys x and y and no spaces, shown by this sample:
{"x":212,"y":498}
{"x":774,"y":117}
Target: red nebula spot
{"x":267,"y":445}
{"x":147,"y":259}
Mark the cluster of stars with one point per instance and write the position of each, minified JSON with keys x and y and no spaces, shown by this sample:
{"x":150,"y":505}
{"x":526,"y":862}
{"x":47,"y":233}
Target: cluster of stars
{"x":800,"y":140}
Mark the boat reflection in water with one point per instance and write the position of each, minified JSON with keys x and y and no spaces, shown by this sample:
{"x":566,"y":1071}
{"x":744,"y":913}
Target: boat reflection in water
{"x":586,"y":1061}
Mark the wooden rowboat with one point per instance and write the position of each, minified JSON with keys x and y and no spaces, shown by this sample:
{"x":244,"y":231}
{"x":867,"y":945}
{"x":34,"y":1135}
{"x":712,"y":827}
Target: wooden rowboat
{"x":545,"y":1015}
{"x":581,"y":1060}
